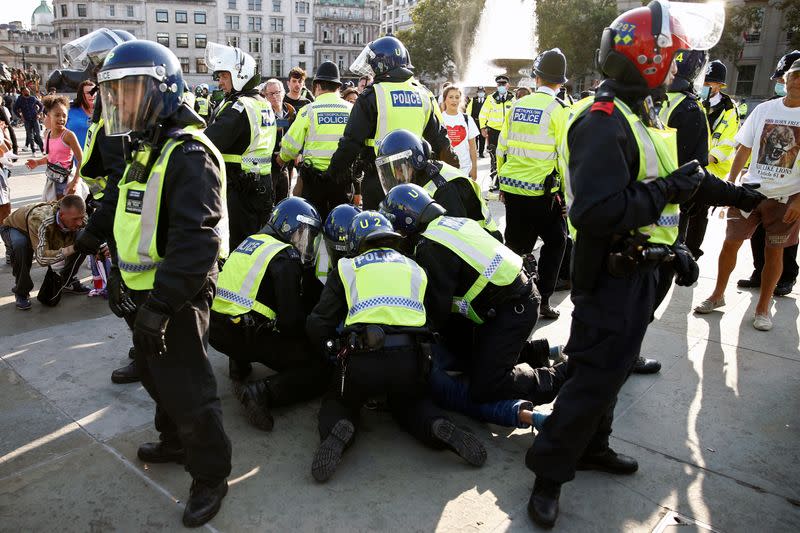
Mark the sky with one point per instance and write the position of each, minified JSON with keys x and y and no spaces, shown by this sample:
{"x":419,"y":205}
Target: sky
{"x":18,"y":10}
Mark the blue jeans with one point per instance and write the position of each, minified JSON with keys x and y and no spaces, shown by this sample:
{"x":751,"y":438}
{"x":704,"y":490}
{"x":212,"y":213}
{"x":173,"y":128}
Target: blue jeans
{"x":33,"y":135}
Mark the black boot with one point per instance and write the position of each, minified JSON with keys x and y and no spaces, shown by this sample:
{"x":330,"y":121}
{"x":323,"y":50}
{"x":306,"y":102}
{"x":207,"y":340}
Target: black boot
{"x":204,"y":502}
{"x":255,"y":399}
{"x":161,"y":452}
{"x":536,"y":353}
{"x":545,"y":311}
{"x":329,"y":454}
{"x":608,"y":461}
{"x":543,"y":505}
{"x":463,"y":443}
{"x":132,"y":353}
{"x":645,"y":366}
{"x":238,"y":371}
{"x":126,"y":374}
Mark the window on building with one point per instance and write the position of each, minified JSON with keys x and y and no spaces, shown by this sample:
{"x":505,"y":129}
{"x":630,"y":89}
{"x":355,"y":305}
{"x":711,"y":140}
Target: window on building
{"x":184,"y":64}
{"x":112,"y":9}
{"x":233,"y":40}
{"x":302,"y":25}
{"x":254,"y":45}
{"x":357,"y":37}
{"x":82,"y":31}
{"x":64,"y":33}
{"x":162,"y":15}
{"x":340,"y":62}
{"x":753,"y":33}
{"x":181,"y":17}
{"x":326,"y":57}
{"x":276,"y":45}
{"x":200,"y":40}
{"x":301,"y":64}
{"x":162,"y":38}
{"x":326,"y":36}
{"x":182,"y":40}
{"x":129,"y":11}
{"x":63,"y":10}
{"x":302,"y":8}
{"x":200,"y":65}
{"x":301,"y":47}
{"x":199,"y":17}
{"x":253,"y":23}
{"x":276,"y":68}
{"x":342,"y":37}
{"x":254,"y":5}
{"x":81,"y":10}
{"x":276,"y":23}
{"x":38,"y":49}
{"x":276,"y":6}
{"x":744,"y":82}
{"x":231,"y":22}
{"x":231,"y":4}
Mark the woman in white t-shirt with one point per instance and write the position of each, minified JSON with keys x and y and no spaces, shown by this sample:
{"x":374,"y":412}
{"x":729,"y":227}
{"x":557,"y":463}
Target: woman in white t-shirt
{"x":461,"y":129}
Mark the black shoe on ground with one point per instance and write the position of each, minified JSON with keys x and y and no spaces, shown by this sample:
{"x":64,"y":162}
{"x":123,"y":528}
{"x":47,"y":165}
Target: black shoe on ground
{"x":204,"y":502}
{"x":536,"y":353}
{"x":23,"y":303}
{"x":463,"y":443}
{"x":329,"y":454}
{"x":563,"y":285}
{"x":132,"y":353}
{"x":238,"y":371}
{"x":749,"y":283}
{"x":76,"y":287}
{"x":255,"y":399}
{"x":126,"y":374}
{"x":783,"y":288}
{"x":543,"y":504}
{"x":545,"y":311}
{"x":609,"y":461}
{"x":646,"y":366}
{"x":161,"y":452}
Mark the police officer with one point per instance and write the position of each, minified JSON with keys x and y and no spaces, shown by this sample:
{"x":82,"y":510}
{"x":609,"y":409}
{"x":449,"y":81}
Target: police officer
{"x":790,"y":268}
{"x":378,"y":294}
{"x":169,"y":232}
{"x":315,"y":133}
{"x":243,"y":129}
{"x":257,"y":315}
{"x":481,"y":300}
{"x":394,"y":100}
{"x":623,"y":191}
{"x":530,"y":182}
{"x":405,"y":158}
{"x":103,"y":162}
{"x":491,"y":119}
{"x":474,"y":110}
{"x":202,"y":103}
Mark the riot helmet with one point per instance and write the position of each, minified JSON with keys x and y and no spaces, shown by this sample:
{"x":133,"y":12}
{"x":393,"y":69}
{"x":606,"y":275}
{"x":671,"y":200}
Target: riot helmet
{"x":410,"y":208}
{"x":400,"y":155}
{"x":295,"y":221}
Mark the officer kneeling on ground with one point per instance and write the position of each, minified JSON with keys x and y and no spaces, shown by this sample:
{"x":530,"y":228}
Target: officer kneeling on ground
{"x":168,"y":235}
{"x":405,"y":158}
{"x":334,"y":236}
{"x":378,"y":294}
{"x":258,"y":316}
{"x":481,"y":299}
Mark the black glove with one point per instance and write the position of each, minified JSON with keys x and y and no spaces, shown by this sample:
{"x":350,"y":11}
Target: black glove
{"x":682,"y":184}
{"x":118,"y":298}
{"x":715,"y":191}
{"x":87,"y":243}
{"x":686,"y":269}
{"x":149,"y":330}
{"x":748,"y":197}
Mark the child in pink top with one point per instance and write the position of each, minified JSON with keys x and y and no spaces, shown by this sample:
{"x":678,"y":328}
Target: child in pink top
{"x":62,"y":147}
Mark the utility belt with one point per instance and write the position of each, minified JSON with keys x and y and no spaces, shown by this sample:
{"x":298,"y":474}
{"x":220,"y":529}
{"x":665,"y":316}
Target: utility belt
{"x":493,"y":297}
{"x":635,"y":253}
{"x":311,"y":176}
{"x":250,"y":182}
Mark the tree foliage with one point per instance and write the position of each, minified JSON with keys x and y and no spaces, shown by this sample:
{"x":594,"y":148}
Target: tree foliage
{"x":441,"y":35}
{"x":739,"y":20}
{"x":790,"y":11}
{"x":574,"y":26}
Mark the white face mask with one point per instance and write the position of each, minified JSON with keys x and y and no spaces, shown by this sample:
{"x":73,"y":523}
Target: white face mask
{"x":501,"y":90}
{"x":481,"y":94}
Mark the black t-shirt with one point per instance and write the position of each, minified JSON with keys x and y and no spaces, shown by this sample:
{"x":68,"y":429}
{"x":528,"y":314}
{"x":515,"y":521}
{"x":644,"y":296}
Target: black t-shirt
{"x":296,"y":104}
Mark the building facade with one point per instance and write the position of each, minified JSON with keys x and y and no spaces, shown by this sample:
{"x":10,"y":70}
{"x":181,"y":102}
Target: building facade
{"x":21,"y":48}
{"x":279,"y":34}
{"x":396,"y":15}
{"x":342,"y":28}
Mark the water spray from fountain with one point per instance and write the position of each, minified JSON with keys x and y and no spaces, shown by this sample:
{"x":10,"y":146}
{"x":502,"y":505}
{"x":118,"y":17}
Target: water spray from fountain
{"x":505,"y":42}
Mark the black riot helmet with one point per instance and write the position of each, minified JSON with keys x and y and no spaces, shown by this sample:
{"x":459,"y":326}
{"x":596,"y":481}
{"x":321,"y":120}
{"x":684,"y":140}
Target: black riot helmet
{"x":297,"y":222}
{"x":691,"y":71}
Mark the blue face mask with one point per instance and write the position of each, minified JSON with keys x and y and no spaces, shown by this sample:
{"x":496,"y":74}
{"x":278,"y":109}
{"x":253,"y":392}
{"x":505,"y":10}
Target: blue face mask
{"x":502,"y":90}
{"x":780,"y":89}
{"x":705,"y":92}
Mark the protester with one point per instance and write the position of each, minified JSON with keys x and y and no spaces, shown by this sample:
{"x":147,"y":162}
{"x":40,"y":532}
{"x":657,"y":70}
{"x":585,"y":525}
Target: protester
{"x":62,"y":147}
{"x":350,"y":94}
{"x":5,"y":193}
{"x":30,"y":108}
{"x":461,"y":130}
{"x":7,"y":120}
{"x":285,"y":114}
{"x":298,"y":95}
{"x":80,"y":111}
{"x":363,"y":82}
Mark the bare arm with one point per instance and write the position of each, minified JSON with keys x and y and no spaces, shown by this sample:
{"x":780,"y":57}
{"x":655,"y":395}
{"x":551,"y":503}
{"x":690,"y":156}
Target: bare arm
{"x":742,"y":153}
{"x":473,"y":156}
{"x":72,"y":141}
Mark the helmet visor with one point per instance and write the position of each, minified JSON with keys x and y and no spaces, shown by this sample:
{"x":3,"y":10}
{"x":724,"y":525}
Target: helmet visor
{"x":91,"y":49}
{"x":304,"y":239}
{"x":700,"y":25}
{"x":361,"y":65}
{"x":132,"y":103}
{"x":395,"y":169}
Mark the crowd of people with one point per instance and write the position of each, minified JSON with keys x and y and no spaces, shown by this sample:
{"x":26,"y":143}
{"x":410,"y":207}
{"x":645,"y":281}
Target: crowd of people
{"x":340,"y":235}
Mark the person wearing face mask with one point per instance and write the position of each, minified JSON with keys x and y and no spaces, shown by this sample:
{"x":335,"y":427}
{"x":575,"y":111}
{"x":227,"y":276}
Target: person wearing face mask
{"x":491,"y":119}
{"x":790,"y":268}
{"x":474,"y":110}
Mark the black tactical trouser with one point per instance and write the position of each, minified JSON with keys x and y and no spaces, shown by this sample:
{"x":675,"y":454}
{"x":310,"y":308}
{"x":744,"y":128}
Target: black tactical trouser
{"x":529,"y":218}
{"x":608,"y":325}
{"x":394,"y":372}
{"x":324,"y":194}
{"x":692,"y":228}
{"x":182,"y":384}
{"x":281,"y":178}
{"x":302,"y":374}
{"x":249,"y":206}
{"x":491,"y":145}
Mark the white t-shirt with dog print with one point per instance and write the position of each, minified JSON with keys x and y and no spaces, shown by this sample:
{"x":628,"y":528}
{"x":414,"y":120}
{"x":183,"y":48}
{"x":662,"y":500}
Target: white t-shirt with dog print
{"x":772,"y":131}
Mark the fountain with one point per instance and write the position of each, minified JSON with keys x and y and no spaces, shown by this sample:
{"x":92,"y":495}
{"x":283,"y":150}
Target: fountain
{"x":505,"y":43}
